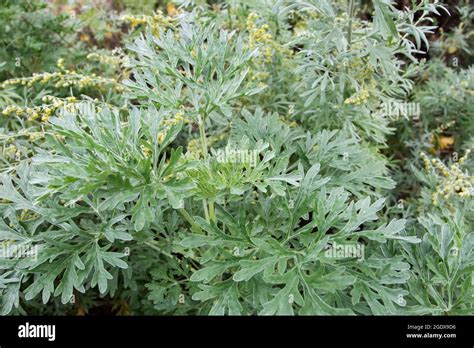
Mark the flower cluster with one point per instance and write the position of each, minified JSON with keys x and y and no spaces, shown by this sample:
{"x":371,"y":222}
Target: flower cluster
{"x":104,"y":58}
{"x":34,"y":136}
{"x":146,"y":150}
{"x":155,"y":22}
{"x":42,"y":78}
{"x":194,"y":148}
{"x":27,"y":215}
{"x":453,"y":181}
{"x":44,"y":111}
{"x":288,"y":121}
{"x":439,"y":141}
{"x":259,"y":37}
{"x":11,"y":152}
{"x":167,"y":123}
{"x":358,"y":98}
{"x":64,"y":78}
{"x":135,"y":21}
{"x":178,"y":117}
{"x":360,"y":69}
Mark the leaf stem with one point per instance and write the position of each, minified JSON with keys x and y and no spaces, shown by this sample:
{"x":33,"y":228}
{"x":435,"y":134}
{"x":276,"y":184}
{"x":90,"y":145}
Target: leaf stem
{"x":157,"y":248}
{"x":212,"y":213}
{"x":230,"y":17}
{"x":206,"y":212}
{"x":190,"y":219}
{"x":202,"y":133}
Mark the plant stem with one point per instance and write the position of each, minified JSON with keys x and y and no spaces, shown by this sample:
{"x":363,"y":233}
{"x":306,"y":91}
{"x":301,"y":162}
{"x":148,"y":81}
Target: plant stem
{"x":202,"y":133}
{"x":349,"y":27}
{"x":212,"y":213}
{"x":152,"y":245}
{"x":206,"y":212}
{"x":190,"y":219}
{"x":230,"y":17}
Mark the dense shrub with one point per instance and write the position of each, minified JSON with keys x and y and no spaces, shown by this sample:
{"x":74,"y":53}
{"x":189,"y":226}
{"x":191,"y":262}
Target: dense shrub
{"x":282,"y":157}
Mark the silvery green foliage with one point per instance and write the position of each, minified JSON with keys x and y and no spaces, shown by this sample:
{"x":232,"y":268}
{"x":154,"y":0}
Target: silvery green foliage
{"x":443,"y":264}
{"x":342,"y":158}
{"x":277,"y":261}
{"x":99,"y":194}
{"x":339,"y":57}
{"x":197,"y":68}
{"x":121,"y":204}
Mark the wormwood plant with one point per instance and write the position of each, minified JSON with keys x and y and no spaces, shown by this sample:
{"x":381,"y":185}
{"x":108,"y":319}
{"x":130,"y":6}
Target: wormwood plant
{"x":100,"y":191}
{"x":140,"y":204}
{"x":444,"y":260}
